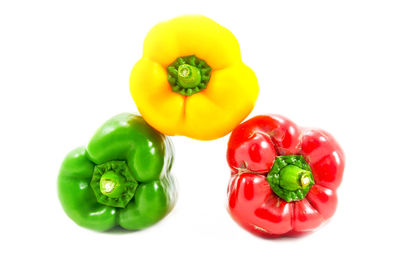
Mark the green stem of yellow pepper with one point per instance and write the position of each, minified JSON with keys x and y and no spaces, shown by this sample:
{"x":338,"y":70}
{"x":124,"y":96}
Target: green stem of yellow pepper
{"x":188,"y":75}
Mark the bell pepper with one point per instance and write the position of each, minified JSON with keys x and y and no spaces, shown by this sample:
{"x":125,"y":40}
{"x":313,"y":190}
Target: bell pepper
{"x":284,"y":178}
{"x":121,"y":178}
{"x":191,"y":80}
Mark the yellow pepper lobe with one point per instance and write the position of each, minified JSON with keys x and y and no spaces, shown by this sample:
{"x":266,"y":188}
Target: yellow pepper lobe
{"x":191,"y":80}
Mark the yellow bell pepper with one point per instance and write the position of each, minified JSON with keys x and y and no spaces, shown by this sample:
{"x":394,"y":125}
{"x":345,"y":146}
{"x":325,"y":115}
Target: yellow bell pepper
{"x":191,"y":80}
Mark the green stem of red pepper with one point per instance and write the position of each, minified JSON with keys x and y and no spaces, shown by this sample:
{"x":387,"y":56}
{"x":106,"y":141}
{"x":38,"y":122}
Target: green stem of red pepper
{"x":293,"y":178}
{"x":290,"y":177}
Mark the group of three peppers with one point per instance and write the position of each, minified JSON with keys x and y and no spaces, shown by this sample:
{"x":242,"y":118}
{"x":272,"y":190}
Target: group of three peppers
{"x":191,"y":82}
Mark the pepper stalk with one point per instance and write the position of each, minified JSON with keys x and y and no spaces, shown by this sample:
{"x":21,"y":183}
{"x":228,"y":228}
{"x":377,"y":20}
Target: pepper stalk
{"x":290,"y":177}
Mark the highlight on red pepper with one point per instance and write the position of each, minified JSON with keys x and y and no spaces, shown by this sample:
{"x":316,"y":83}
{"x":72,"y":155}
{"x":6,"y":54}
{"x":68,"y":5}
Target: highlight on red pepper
{"x":284,"y":178}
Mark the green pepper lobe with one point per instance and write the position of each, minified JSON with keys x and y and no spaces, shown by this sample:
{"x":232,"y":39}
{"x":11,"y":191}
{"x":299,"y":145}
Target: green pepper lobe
{"x":290,"y":177}
{"x":121,"y":178}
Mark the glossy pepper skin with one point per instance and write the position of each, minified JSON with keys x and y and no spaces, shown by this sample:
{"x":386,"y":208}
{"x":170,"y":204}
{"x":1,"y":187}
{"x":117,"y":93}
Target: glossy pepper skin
{"x":256,"y":151}
{"x":191,"y":80}
{"x":121,"y":178}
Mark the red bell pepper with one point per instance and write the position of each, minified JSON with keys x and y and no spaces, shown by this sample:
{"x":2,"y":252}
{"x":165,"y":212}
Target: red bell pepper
{"x":284,"y":178}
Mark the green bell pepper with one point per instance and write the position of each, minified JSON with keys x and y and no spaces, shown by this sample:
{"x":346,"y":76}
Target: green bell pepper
{"x":121,"y":178}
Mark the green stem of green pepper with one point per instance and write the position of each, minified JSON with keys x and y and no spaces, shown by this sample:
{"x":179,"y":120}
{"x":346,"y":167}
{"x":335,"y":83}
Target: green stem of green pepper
{"x":112,"y":184}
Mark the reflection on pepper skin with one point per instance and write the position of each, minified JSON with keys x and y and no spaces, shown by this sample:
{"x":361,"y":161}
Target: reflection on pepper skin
{"x":260,"y":152}
{"x":121,"y":178}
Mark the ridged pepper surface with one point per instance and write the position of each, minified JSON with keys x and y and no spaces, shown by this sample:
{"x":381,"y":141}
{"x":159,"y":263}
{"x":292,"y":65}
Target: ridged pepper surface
{"x":121,"y":178}
{"x":191,"y":80}
{"x":284,"y":178}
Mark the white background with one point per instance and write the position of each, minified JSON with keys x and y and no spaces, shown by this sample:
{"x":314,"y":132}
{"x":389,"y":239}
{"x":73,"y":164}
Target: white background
{"x":64,"y":70}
